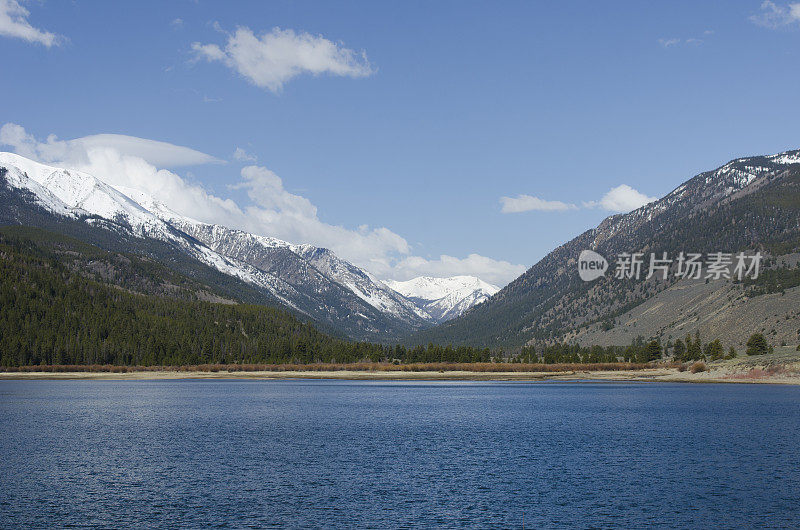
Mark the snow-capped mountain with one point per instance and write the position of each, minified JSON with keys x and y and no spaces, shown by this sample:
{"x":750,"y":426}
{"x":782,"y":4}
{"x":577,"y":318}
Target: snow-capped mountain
{"x":361,"y":282}
{"x":82,"y":196}
{"x":304,"y":266}
{"x":77,"y":194}
{"x":310,"y":280}
{"x":445,"y":298}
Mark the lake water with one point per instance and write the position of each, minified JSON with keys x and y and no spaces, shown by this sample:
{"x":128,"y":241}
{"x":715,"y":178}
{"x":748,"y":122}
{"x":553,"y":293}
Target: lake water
{"x":393,"y":454}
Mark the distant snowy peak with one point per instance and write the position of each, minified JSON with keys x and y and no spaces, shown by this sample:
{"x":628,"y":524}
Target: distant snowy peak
{"x":444,"y":298}
{"x":431,"y":288}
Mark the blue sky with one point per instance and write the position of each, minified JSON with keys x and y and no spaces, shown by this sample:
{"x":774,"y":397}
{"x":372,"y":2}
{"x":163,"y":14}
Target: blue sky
{"x":391,"y":132}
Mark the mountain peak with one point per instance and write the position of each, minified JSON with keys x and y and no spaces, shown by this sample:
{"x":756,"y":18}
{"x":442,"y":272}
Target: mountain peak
{"x":444,"y":298}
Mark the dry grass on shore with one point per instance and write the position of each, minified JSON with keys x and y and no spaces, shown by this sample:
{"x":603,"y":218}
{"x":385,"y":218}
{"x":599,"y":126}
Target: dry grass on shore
{"x":334,"y":367}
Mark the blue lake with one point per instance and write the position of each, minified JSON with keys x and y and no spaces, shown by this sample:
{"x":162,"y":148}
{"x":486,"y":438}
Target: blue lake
{"x":392,"y":454}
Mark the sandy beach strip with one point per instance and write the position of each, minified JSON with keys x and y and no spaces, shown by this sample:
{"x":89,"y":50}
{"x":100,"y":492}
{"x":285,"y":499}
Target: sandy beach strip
{"x":646,"y":375}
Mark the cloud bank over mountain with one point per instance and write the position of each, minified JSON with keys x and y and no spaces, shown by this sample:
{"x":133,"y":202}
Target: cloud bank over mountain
{"x":141,"y":164}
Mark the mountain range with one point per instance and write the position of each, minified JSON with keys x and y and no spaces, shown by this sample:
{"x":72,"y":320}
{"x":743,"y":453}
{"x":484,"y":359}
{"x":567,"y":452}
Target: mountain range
{"x":748,"y":205}
{"x":310,"y":281}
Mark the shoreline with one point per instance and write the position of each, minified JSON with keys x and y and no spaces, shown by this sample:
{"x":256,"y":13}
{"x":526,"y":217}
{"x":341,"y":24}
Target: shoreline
{"x":653,"y":375}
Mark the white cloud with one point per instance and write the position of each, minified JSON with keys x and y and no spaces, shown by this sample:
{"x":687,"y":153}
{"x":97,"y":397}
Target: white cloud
{"x":134,"y":172}
{"x":621,"y":199}
{"x":14,"y":23}
{"x":177,"y":23}
{"x":526,"y":203}
{"x":243,"y":156}
{"x":265,"y":188}
{"x":161,"y":154}
{"x":273,"y":58}
{"x":774,"y":16}
{"x":272,"y":211}
{"x":671,"y":43}
{"x":488,"y":269}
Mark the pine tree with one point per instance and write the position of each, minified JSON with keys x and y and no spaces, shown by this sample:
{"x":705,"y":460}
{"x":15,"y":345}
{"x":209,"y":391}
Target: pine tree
{"x":757,"y":345}
{"x":652,"y":351}
{"x":679,"y":350}
{"x":714,"y":350}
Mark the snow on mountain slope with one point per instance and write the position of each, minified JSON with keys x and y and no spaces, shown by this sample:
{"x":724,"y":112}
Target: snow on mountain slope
{"x":305,"y":266}
{"x":359,"y":281}
{"x":743,"y":175}
{"x":277,"y":257}
{"x":18,"y":178}
{"x":80,"y":195}
{"x":445,"y":298}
